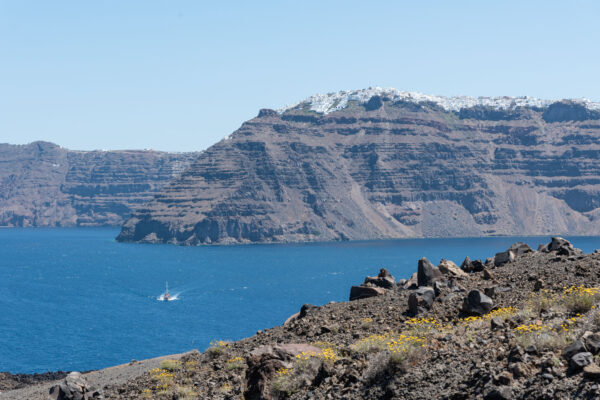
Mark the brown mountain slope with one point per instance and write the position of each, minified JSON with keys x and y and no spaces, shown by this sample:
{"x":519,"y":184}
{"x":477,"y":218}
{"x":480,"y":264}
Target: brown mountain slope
{"x":386,"y":168}
{"x":42,"y":184}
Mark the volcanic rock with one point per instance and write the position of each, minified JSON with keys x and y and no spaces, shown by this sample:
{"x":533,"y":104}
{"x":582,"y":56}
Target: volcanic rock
{"x":427,"y":273}
{"x":384,"y":280}
{"x":74,"y":387}
{"x":580,"y":360}
{"x":421,"y":300}
{"x":477,"y":303}
{"x":447,"y":267}
{"x":520,"y":248}
{"x":576,"y":347}
{"x":363,"y":292}
{"x":504,"y":257}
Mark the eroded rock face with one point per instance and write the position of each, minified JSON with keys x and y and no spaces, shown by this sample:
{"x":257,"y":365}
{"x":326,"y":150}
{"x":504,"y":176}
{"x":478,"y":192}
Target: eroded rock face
{"x":42,"y":184}
{"x":385,"y":169}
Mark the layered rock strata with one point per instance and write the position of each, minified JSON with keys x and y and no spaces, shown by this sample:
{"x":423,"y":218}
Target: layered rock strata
{"x":43,"y":184}
{"x":383,"y":164}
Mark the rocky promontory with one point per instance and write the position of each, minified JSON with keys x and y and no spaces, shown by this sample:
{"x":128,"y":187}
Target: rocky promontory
{"x":522,"y":324}
{"x":43,"y":184}
{"x":377,"y":163}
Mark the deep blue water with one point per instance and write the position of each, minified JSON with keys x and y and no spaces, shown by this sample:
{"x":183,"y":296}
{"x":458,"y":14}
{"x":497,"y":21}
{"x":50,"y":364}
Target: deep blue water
{"x":74,"y":299}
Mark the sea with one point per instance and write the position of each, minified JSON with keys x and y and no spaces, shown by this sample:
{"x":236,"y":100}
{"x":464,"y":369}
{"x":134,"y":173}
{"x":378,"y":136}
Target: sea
{"x":75,"y":299}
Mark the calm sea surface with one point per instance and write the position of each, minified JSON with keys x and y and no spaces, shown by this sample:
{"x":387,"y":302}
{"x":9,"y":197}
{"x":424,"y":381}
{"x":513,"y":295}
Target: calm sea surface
{"x":74,"y":299}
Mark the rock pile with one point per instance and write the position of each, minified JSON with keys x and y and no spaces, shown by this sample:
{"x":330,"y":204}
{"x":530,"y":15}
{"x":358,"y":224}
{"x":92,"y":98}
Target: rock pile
{"x":74,"y":387}
{"x":561,"y":246}
{"x":373,"y":286}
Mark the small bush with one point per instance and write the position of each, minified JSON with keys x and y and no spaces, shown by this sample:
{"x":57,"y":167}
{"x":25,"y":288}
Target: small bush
{"x":366,"y":323}
{"x":405,"y":348}
{"x":306,"y":366}
{"x":378,"y":365}
{"x":186,"y":393}
{"x":371,"y":344}
{"x":285,"y":383}
{"x":226,"y":388}
{"x":421,"y":326}
{"x":235,"y":363}
{"x":323,"y":344}
{"x":170,"y":365}
{"x":579,"y":299}
{"x":163,"y":379}
{"x":542,"y":301}
{"x":542,"y":337}
{"x":395,"y":343}
{"x":192,"y":365}
{"x":217,"y":347}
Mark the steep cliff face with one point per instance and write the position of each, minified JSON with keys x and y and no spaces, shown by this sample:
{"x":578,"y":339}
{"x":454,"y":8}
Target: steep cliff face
{"x":386,"y":164}
{"x":42,"y":184}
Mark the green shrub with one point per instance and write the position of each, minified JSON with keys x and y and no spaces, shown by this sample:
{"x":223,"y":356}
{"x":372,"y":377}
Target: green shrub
{"x":542,"y":301}
{"x":170,"y":365}
{"x":580,"y":299}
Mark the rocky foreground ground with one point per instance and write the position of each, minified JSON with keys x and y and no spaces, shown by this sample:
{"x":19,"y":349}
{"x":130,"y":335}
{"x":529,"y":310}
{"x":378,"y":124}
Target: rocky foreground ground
{"x":521,"y":325}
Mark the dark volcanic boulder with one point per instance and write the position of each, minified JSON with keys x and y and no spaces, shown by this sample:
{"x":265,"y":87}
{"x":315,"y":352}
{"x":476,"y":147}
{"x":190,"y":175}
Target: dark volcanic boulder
{"x":576,"y":347}
{"x":384,"y":279}
{"x":592,"y":343}
{"x":580,"y":360}
{"x":363,"y":292}
{"x":427,"y":273}
{"x":466,"y":265}
{"x":373,"y":285}
{"x":420,"y":300}
{"x":477,"y":303}
{"x":478,"y":266}
{"x":503,"y":257}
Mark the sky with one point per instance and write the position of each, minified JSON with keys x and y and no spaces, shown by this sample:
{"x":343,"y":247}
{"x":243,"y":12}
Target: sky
{"x":179,"y":75}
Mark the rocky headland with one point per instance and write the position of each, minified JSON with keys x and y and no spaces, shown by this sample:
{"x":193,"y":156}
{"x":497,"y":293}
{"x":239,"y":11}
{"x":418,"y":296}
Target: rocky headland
{"x":43,"y":184}
{"x":381,"y":163}
{"x":522,"y":324}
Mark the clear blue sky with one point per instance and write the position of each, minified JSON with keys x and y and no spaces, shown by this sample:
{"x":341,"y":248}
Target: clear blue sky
{"x":181,"y":75}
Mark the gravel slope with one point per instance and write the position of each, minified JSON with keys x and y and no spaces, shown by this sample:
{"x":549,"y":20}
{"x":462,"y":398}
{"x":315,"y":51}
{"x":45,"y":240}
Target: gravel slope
{"x":109,"y":376}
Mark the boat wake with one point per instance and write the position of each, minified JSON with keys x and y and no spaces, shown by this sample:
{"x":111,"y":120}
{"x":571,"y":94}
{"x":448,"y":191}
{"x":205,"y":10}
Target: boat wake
{"x":172,"y":297}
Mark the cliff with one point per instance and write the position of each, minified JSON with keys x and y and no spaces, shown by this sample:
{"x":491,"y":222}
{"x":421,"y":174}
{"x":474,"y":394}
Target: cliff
{"x":377,"y":163}
{"x":42,"y":184}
